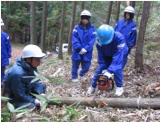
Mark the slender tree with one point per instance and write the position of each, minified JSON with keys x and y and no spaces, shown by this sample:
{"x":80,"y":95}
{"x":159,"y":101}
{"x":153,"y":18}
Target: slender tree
{"x":118,"y":10}
{"x":82,"y":6}
{"x":109,"y":12}
{"x":132,"y":3}
{"x":43,"y":31}
{"x":33,"y":35}
{"x":140,"y":41}
{"x":71,"y":27}
{"x":60,"y":54}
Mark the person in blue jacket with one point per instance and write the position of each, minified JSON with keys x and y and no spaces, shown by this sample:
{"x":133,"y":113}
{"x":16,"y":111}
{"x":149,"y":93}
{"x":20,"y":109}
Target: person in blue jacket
{"x":83,"y":38}
{"x":112,"y":49}
{"x":20,"y":87}
{"x":127,"y":27}
{"x":6,"y":50}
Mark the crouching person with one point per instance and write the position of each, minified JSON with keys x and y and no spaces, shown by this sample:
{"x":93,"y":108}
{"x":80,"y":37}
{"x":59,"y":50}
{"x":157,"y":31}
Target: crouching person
{"x":112,"y":50}
{"x":17,"y":85}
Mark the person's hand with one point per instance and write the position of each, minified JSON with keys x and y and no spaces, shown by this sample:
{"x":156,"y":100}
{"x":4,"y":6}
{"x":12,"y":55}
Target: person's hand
{"x":107,"y":74}
{"x":37,"y":102}
{"x":83,"y":51}
{"x":43,"y":95}
{"x":104,"y":71}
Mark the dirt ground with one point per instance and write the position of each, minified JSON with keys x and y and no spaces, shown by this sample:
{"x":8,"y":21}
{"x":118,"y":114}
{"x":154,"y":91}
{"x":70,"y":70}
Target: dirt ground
{"x":135,"y":85}
{"x":16,"y":52}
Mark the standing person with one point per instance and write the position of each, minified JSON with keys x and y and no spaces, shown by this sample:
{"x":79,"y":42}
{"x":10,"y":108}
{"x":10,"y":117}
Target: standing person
{"x":5,"y":52}
{"x":112,"y":49}
{"x":19,"y":87}
{"x":127,"y":27}
{"x":83,"y":38}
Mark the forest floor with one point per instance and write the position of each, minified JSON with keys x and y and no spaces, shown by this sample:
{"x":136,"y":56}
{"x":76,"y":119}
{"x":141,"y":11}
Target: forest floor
{"x":136,"y":85}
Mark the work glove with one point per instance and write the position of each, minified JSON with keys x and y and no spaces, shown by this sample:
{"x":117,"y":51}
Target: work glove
{"x":43,"y":95}
{"x":91,"y":90}
{"x":109,"y":75}
{"x":83,"y":51}
{"x":37,"y":102}
{"x":104,"y":71}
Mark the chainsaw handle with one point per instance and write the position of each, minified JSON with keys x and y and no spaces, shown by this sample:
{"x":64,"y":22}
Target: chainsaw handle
{"x":102,"y":75}
{"x":112,"y":84}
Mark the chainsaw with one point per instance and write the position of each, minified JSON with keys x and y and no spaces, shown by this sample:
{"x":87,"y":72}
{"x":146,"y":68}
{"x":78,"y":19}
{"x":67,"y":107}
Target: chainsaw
{"x":104,"y":84}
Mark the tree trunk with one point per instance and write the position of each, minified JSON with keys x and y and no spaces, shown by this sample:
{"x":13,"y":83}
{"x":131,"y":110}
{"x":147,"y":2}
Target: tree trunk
{"x":153,"y":103}
{"x":127,"y":3}
{"x":109,"y":12}
{"x":33,"y":39}
{"x":82,"y":6}
{"x":71,"y":27}
{"x":60,"y":54}
{"x":118,"y":10}
{"x":140,"y":40}
{"x":132,"y":3}
{"x":138,"y":13}
{"x":43,"y":31}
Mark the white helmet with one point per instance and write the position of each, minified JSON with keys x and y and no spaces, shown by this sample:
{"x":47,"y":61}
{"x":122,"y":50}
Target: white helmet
{"x":32,"y":51}
{"x":86,"y":13}
{"x":129,"y":9}
{"x":2,"y":23}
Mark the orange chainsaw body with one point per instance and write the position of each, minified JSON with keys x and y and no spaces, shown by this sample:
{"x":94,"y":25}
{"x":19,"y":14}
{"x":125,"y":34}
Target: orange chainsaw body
{"x":104,"y":83}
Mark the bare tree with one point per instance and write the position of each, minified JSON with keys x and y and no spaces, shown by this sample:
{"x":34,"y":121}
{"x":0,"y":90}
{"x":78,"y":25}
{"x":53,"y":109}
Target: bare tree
{"x":71,"y":27}
{"x":33,"y":35}
{"x":109,"y":12}
{"x":82,"y":6}
{"x":43,"y":31}
{"x":60,"y":54}
{"x":140,"y":41}
{"x":132,"y":3}
{"x":118,"y":10}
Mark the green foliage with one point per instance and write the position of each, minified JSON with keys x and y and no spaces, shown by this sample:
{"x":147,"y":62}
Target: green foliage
{"x":72,"y":113}
{"x":152,"y":46}
{"x":57,"y":80}
{"x":46,"y":99}
{"x":4,"y":98}
{"x":36,"y":77}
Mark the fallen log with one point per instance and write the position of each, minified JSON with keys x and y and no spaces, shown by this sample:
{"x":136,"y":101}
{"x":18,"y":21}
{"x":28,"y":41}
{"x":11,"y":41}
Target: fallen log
{"x":153,"y":103}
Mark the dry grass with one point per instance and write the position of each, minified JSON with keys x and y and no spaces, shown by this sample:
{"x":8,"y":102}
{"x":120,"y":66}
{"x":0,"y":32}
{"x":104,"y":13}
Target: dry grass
{"x":135,"y":85}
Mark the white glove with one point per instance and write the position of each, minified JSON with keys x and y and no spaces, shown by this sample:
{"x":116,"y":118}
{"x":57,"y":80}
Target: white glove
{"x":43,"y":95}
{"x":83,"y":51}
{"x":104,"y":71}
{"x":107,"y":74}
{"x":37,"y":102}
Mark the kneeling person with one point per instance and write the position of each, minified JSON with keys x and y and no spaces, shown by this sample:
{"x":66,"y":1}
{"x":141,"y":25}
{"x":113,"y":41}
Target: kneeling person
{"x":20,"y":88}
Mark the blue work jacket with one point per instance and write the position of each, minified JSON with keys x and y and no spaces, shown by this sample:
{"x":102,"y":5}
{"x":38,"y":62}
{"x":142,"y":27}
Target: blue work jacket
{"x":19,"y":87}
{"x":128,"y":29}
{"x":83,"y":38}
{"x":111,"y":56}
{"x":5,"y":49}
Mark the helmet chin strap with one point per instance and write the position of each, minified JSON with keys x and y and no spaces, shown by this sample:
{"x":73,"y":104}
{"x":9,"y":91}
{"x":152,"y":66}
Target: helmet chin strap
{"x":30,"y":63}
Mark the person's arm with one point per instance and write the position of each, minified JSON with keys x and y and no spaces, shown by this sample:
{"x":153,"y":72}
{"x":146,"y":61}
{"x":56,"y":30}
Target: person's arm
{"x":116,"y":26}
{"x":102,"y":65}
{"x":75,"y":40}
{"x":37,"y":87}
{"x":9,"y":48}
{"x":18,"y":86}
{"x":118,"y":57}
{"x":132,"y":39}
{"x":89,"y":46}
